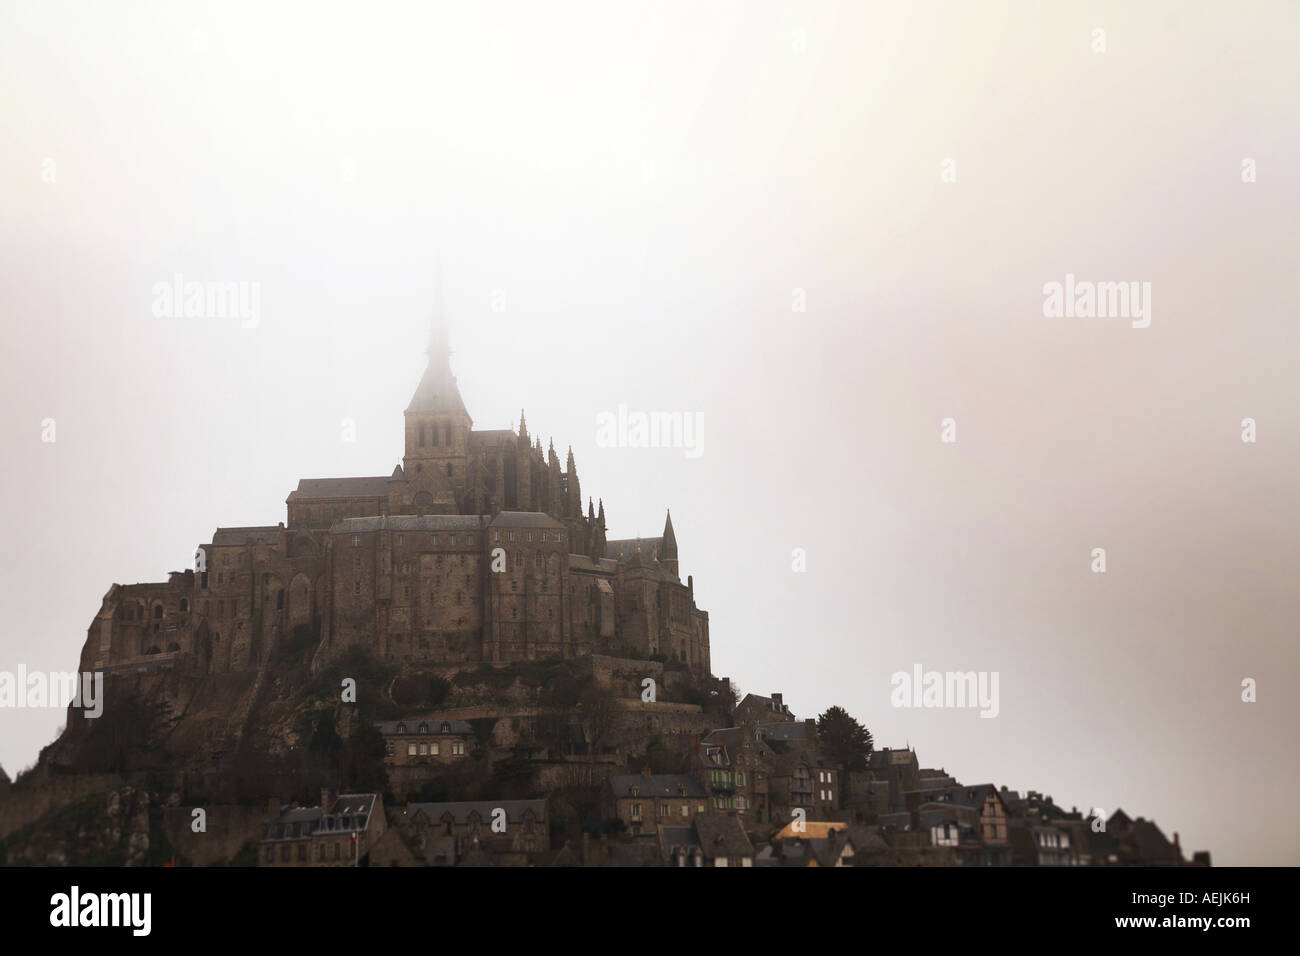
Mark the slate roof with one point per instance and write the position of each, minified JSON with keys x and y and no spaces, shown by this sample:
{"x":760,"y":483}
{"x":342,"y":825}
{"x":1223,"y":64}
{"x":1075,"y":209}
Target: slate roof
{"x":490,"y":436}
{"x":460,"y":810}
{"x":437,"y":391}
{"x":784,"y":731}
{"x":973,"y":796}
{"x":264,"y":534}
{"x":350,"y":811}
{"x":766,"y":703}
{"x":722,"y":836}
{"x":372,"y":487}
{"x":624,"y":548}
{"x":524,"y":519}
{"x":407,"y":523}
{"x":433,"y":724}
{"x":580,"y":562}
{"x":656,"y":785}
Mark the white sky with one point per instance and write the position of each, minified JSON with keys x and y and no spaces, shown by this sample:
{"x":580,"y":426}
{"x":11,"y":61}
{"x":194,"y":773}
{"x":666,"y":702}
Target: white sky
{"x":645,"y":186}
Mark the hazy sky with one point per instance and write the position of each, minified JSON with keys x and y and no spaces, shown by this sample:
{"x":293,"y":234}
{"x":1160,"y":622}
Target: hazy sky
{"x":641,"y":190}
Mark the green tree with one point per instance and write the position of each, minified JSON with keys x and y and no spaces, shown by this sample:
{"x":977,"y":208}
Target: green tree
{"x":843,"y":740}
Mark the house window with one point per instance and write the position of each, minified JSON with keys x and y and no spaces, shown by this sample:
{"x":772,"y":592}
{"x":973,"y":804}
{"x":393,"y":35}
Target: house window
{"x":424,"y":750}
{"x":400,"y":540}
{"x":410,"y":749}
{"x":458,"y":748}
{"x":636,"y":811}
{"x":434,"y":748}
{"x":356,"y":541}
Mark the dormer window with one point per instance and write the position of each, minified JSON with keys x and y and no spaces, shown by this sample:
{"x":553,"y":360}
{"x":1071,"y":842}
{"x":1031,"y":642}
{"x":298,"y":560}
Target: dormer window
{"x":401,"y":728}
{"x":424,"y":728}
{"x":446,"y":727}
{"x":636,"y":791}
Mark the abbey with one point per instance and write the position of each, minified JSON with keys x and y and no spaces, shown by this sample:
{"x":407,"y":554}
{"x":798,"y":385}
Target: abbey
{"x":475,"y":549}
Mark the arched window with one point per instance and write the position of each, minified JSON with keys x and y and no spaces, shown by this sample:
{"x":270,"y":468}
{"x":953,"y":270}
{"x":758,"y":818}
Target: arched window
{"x":157,"y":612}
{"x":279,"y":600}
{"x":185,"y":605}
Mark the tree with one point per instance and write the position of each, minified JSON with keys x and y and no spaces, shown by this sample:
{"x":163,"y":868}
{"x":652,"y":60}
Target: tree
{"x":326,"y":739}
{"x":843,"y":740}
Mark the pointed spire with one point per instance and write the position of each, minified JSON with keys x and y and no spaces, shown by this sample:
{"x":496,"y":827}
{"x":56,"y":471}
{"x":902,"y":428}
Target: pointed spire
{"x":591,"y":510}
{"x":523,"y":425}
{"x":437,"y":391}
{"x":601,"y":516}
{"x":668,"y":547}
{"x":438,"y":345}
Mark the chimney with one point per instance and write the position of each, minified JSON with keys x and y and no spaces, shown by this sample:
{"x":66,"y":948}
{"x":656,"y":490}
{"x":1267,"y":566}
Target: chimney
{"x":645,"y":771}
{"x":327,"y":797}
{"x":1176,"y":844}
{"x":776,"y":699}
{"x":812,"y":729}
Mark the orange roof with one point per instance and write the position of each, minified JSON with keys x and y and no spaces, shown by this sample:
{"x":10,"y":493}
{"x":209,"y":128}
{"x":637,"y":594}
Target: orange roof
{"x":810,"y":830}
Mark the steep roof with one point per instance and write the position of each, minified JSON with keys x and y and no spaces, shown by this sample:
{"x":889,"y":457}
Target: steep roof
{"x":656,"y":785}
{"x":722,"y":836}
{"x":437,"y":392}
{"x":432,"y":725}
{"x":460,"y":810}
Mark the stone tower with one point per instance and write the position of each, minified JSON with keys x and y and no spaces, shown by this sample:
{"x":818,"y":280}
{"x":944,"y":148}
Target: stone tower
{"x":437,"y":432}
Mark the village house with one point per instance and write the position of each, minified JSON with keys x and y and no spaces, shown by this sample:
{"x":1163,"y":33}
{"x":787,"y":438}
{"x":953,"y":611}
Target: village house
{"x":425,"y":741}
{"x":339,"y":832}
